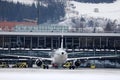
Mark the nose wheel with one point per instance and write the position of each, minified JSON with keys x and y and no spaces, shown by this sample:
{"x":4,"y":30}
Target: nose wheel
{"x":55,"y":65}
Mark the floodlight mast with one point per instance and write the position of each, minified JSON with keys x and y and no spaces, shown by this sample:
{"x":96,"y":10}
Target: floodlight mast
{"x":38,"y":3}
{"x":38,"y":11}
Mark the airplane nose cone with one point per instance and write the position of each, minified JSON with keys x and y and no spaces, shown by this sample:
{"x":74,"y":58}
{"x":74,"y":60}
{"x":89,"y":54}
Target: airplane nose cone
{"x":62,"y":53}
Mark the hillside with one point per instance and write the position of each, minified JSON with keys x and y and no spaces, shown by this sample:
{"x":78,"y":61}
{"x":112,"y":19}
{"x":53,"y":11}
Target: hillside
{"x":83,"y":15}
{"x":96,"y":1}
{"x":107,"y":10}
{"x":49,"y":11}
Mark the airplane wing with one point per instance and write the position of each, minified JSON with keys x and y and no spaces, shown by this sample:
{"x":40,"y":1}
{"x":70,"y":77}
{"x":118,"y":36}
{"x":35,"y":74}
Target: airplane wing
{"x":13,"y":59}
{"x":26,"y":57}
{"x":94,"y":57}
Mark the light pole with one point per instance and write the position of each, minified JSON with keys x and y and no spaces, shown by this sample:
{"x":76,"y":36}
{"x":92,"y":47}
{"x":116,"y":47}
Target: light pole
{"x":38,"y":10}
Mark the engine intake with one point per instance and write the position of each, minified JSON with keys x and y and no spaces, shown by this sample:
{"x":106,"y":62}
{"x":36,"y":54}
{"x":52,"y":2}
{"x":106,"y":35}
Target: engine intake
{"x":38,"y":62}
{"x":77,"y":63}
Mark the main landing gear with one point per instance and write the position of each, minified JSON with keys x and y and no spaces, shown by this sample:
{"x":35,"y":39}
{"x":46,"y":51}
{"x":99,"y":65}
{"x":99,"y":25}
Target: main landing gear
{"x":45,"y":66}
{"x":71,"y":67}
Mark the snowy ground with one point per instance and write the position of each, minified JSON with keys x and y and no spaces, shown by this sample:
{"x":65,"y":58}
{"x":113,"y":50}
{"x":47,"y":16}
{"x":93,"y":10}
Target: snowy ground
{"x":59,"y":74}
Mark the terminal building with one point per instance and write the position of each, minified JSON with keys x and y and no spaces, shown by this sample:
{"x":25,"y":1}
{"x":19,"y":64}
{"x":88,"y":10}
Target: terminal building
{"x":28,"y":40}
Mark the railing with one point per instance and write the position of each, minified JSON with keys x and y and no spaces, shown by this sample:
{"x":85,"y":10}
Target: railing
{"x":53,"y":28}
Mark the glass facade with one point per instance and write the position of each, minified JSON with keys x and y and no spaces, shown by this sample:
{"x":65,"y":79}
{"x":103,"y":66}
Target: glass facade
{"x":53,"y":42}
{"x":41,"y":28}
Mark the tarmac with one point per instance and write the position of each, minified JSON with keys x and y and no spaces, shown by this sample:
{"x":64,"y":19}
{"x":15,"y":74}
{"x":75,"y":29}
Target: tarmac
{"x":59,"y":74}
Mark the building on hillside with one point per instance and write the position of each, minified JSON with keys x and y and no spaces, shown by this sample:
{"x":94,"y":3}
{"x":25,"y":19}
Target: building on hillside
{"x":8,"y":26}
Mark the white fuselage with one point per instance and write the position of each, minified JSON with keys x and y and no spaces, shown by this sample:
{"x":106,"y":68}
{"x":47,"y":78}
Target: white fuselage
{"x":60,"y":56}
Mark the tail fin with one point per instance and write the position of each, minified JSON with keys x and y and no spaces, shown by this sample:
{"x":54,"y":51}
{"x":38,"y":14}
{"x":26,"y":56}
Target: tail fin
{"x":62,"y":42}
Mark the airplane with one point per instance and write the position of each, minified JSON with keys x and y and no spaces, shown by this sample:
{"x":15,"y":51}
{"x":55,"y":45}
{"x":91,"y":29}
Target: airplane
{"x":59,"y":57}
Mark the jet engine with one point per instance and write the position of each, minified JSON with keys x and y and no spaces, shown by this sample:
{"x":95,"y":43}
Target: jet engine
{"x":38,"y":62}
{"x":77,"y":63}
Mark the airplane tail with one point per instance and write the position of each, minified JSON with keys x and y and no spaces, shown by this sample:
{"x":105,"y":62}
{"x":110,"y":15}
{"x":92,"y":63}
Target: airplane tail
{"x":62,"y":43}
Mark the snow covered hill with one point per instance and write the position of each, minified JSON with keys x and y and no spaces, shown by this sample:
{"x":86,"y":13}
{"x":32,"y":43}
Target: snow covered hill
{"x":107,"y":10}
{"x":92,"y":17}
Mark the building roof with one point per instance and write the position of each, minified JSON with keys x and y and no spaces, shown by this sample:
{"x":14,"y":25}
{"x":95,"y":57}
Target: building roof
{"x":8,"y":26}
{"x":60,"y":34}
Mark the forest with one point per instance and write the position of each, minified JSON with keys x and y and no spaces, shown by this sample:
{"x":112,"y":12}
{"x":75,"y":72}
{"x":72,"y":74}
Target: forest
{"x":50,"y":11}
